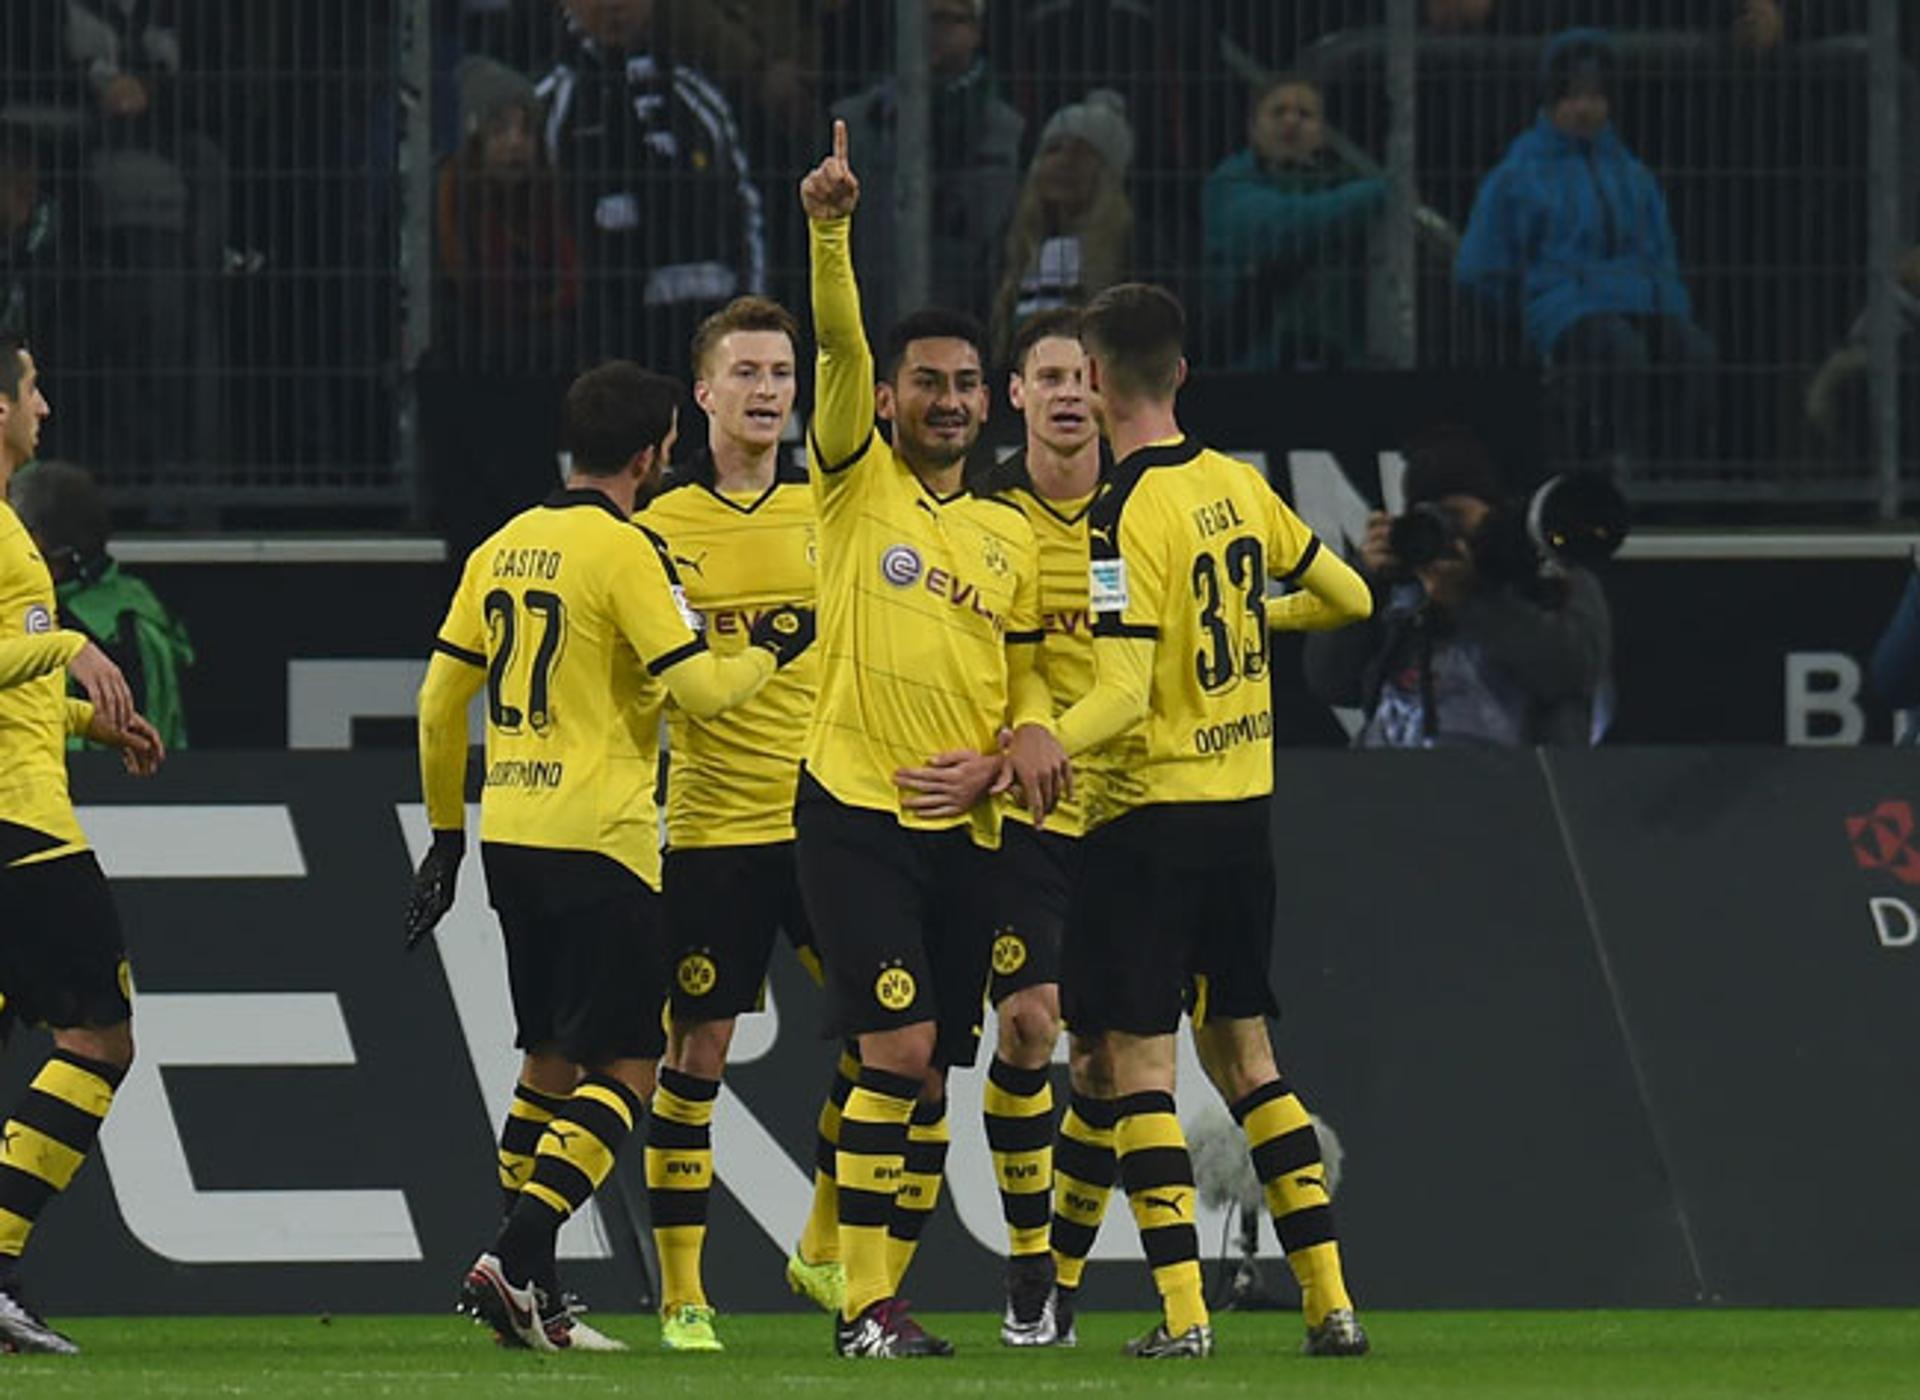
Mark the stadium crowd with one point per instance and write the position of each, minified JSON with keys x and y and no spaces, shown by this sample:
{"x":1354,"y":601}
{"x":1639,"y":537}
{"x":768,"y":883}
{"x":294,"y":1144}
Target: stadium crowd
{"x":608,"y":172}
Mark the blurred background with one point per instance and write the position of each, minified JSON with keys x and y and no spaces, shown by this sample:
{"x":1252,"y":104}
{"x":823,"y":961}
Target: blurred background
{"x":325,"y":264}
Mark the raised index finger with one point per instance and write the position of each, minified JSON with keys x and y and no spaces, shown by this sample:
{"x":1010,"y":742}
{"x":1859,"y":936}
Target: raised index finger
{"x":839,"y":139}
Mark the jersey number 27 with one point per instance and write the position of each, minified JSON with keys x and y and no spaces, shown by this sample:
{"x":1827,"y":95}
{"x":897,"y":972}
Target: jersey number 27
{"x":503,"y":620}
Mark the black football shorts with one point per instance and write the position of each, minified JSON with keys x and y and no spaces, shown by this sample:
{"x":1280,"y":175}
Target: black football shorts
{"x":724,"y":906}
{"x":904,"y":932}
{"x":1031,"y":885}
{"x":586,"y":952}
{"x":63,"y":961}
{"x":1173,"y":911}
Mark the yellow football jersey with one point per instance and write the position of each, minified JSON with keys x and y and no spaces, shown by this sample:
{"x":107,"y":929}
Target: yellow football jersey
{"x":1066,"y":653}
{"x":574,"y":615}
{"x":922,"y":598}
{"x":730,"y":779}
{"x":1182,"y":545}
{"x":34,"y":714}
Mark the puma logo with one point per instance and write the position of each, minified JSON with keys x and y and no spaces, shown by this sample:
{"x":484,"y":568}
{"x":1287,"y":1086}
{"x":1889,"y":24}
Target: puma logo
{"x":1171,"y":1203}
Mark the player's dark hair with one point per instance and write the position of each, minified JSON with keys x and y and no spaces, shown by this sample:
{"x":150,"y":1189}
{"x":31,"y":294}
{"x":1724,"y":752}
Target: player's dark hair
{"x":1055,"y":323}
{"x":741,"y":314}
{"x":13,"y":364}
{"x":613,"y":413}
{"x":1137,"y":331}
{"x":932,"y":323}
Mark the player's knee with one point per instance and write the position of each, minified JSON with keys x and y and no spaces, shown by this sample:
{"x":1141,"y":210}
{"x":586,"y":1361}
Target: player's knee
{"x":1237,"y":1065}
{"x":907,"y":1052}
{"x":700,"y":1048}
{"x":549,"y":1072}
{"x":1028,"y":1031}
{"x":107,"y":1045}
{"x":1090,"y":1068}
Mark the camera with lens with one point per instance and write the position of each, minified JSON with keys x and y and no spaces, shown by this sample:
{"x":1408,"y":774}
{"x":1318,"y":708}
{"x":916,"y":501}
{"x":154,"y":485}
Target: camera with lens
{"x":1427,"y":532}
{"x":1577,"y":518}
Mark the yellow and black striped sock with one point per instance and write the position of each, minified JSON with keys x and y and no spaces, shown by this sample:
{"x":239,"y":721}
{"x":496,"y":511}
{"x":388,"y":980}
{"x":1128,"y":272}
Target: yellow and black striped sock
{"x":48,"y":1136}
{"x":575,"y":1154}
{"x":868,"y":1166}
{"x":1286,"y":1157}
{"x":924,"y":1165}
{"x":1018,"y":1107}
{"x":820,"y":1237}
{"x":1158,"y":1174}
{"x":1083,"y":1175}
{"x":680,"y":1181}
{"x":527,"y":1118}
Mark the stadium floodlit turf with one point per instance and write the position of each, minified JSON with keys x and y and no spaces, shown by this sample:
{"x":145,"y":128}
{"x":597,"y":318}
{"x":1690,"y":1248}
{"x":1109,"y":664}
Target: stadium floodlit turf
{"x":1446,"y":1356}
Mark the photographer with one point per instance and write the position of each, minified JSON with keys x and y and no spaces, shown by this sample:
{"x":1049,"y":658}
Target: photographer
{"x":1476,"y":637}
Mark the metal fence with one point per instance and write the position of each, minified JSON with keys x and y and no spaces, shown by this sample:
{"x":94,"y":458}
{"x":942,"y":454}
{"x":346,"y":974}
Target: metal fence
{"x":200,"y":227}
{"x":332,"y":255}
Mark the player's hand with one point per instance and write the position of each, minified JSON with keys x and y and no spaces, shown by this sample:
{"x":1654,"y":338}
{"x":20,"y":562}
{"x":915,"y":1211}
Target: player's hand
{"x":433,"y":885}
{"x":1040,"y":768}
{"x":105,"y":686}
{"x":1377,"y":558}
{"x":786,"y":632}
{"x":950,"y":784}
{"x":141,"y":749}
{"x":831,"y":189}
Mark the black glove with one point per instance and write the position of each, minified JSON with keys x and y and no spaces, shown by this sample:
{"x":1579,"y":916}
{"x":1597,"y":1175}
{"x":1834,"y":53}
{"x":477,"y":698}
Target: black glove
{"x":433,"y":885}
{"x":786,"y":632}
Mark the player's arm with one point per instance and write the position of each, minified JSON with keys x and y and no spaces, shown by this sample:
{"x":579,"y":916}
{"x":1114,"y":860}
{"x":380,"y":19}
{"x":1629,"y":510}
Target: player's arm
{"x":843,"y":382}
{"x":141,"y":748}
{"x":24,"y":659}
{"x":455,"y":672}
{"x":1330,"y":592}
{"x":1126,"y":592}
{"x":28,"y":658}
{"x":1037,"y":763}
{"x":1122,"y":687}
{"x":648,"y":613}
{"x":454,"y":675}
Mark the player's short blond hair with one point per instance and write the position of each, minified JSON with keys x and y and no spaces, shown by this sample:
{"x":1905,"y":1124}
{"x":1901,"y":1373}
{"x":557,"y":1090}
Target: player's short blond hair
{"x":741,"y":314}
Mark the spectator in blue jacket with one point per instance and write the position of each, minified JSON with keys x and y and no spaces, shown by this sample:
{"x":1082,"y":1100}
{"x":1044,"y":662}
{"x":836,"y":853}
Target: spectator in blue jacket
{"x":1572,"y":231}
{"x":1286,"y":225}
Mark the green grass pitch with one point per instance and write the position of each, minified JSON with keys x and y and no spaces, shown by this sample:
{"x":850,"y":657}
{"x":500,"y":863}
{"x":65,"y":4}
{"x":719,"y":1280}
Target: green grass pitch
{"x":1675,"y":1355}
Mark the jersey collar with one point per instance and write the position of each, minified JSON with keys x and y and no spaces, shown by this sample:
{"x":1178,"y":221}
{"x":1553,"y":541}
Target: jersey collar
{"x":1064,"y":517}
{"x":1159,"y":454}
{"x":583,"y":496}
{"x":700,"y":471}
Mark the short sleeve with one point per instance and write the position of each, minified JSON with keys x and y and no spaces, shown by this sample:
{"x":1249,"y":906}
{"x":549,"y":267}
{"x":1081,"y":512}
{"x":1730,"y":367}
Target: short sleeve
{"x":1291,"y":545}
{"x":649,"y":608}
{"x":1126,"y":567}
{"x":463,"y":632}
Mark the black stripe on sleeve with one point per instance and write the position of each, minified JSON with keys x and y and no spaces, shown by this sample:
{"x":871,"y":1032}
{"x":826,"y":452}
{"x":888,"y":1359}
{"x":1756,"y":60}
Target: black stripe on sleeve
{"x":1110,"y":625}
{"x":447,"y":648}
{"x":669,"y":660}
{"x":1307,"y":556}
{"x":1033,"y":638}
{"x":663,"y":550}
{"x":833,"y":469}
